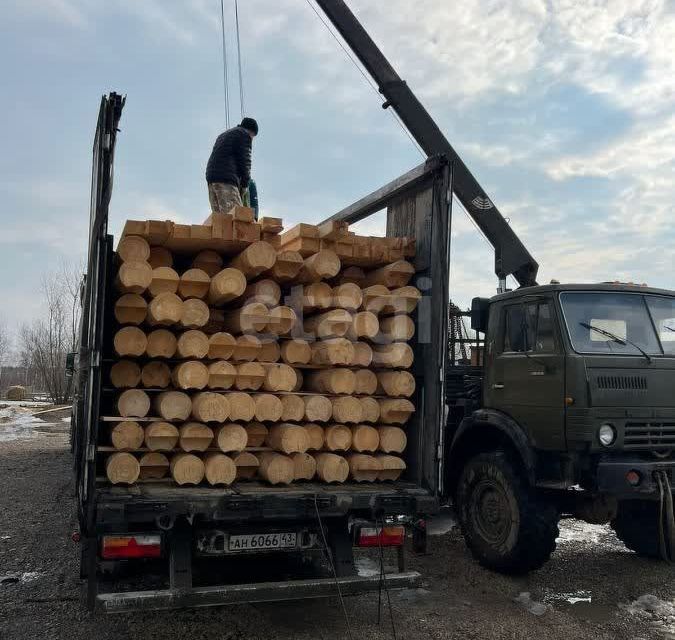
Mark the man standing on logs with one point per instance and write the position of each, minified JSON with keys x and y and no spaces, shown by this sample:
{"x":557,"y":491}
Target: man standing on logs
{"x":228,"y":171}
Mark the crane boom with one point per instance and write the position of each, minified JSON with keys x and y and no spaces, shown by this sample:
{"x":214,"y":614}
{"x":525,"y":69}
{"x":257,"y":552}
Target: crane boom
{"x":511,"y":256}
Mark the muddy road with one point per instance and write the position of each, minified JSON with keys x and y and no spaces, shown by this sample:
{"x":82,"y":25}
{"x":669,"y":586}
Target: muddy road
{"x":592,"y":588}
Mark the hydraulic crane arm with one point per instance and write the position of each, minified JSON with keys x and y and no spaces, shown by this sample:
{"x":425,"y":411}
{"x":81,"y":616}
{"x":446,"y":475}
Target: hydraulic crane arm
{"x":511,"y":256}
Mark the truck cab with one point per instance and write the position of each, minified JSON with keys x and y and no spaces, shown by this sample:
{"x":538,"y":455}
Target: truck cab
{"x":576,"y":416}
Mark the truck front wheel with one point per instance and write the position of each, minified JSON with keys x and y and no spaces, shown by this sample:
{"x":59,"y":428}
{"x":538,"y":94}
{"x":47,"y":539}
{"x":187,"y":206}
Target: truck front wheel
{"x":505,"y":525}
{"x":636,"y":525}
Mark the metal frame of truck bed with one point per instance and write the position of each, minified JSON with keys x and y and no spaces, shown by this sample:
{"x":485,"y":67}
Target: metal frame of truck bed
{"x":418,"y":207}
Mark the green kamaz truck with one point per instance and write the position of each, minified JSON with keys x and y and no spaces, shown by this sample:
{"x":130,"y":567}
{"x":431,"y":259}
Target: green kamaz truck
{"x":572,"y":412}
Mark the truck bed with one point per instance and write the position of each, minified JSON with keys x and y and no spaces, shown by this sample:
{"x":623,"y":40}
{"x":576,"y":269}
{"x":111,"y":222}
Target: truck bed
{"x":149,"y":500}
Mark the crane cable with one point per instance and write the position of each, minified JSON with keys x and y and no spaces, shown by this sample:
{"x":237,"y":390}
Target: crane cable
{"x":241,"y":76}
{"x":366,"y":78}
{"x":225,"y":71}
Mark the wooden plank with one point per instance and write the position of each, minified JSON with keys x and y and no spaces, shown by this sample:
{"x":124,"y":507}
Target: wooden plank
{"x":159,"y":231}
{"x":221,"y":225}
{"x":59,"y":408}
{"x":379,"y":251}
{"x":181,"y":231}
{"x":245,"y":231}
{"x":342,"y":249}
{"x":134,"y":228}
{"x":273,"y":238}
{"x":200,"y":232}
{"x":243,"y":214}
{"x":361,"y":248}
{"x":300,"y":231}
{"x":304,"y":246}
{"x":395,"y":246}
{"x":333,"y":229}
{"x":271,"y":225}
{"x":225,"y":235}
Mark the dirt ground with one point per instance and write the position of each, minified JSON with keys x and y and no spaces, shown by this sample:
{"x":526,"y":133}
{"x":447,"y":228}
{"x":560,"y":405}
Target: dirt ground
{"x":591,"y":588}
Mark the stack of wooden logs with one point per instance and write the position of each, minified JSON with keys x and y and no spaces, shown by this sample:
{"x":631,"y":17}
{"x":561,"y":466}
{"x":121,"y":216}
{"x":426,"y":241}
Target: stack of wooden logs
{"x":283,"y":361}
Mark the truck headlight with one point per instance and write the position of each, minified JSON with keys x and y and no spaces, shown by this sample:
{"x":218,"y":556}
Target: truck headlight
{"x":606,"y":435}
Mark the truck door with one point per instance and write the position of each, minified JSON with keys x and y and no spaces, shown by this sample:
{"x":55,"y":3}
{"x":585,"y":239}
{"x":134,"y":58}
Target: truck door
{"x":528,"y":382}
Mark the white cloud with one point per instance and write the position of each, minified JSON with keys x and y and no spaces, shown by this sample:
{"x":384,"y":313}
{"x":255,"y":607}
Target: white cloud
{"x":62,"y":234}
{"x":460,"y":50}
{"x":159,"y":21}
{"x":526,"y":147}
{"x":619,"y":48}
{"x":457,"y":50}
{"x":154,"y":208}
{"x":59,"y":213}
{"x":648,"y":147}
{"x":641,"y":164}
{"x":68,"y":12}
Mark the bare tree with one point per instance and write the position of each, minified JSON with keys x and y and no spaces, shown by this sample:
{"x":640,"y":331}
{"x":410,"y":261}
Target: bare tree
{"x":5,"y":347}
{"x":70,"y":281}
{"x":45,"y":344}
{"x":25,"y":359}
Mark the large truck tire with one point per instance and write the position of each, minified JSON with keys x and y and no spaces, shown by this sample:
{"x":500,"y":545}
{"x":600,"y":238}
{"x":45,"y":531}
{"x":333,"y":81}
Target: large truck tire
{"x":506,"y":526}
{"x":636,"y":525}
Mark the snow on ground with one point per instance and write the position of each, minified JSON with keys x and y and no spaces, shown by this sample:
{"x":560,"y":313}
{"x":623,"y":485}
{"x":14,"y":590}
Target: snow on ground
{"x":16,"y":422}
{"x":660,"y":613}
{"x":29,"y":404}
{"x":524,"y":599}
{"x":14,"y":578}
{"x":368,"y":567}
{"x":572,"y":531}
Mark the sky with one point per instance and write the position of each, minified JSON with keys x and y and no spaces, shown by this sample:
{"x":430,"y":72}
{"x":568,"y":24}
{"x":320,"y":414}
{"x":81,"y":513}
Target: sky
{"x":564,"y":111}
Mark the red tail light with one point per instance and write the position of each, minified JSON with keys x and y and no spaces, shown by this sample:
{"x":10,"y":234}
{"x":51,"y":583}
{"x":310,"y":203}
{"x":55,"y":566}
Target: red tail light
{"x":137,"y":546}
{"x":633,"y":477}
{"x":380,"y":536}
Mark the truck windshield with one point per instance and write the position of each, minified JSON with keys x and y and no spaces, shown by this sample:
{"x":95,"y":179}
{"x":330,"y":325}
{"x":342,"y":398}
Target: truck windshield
{"x":663,"y":314}
{"x":605,"y":322}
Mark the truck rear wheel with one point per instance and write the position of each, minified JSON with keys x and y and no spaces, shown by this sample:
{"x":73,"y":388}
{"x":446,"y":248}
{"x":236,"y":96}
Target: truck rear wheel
{"x":506,"y":527}
{"x":636,"y":525}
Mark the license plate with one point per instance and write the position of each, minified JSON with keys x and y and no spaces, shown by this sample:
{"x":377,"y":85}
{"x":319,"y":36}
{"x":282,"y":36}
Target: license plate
{"x":263,"y":541}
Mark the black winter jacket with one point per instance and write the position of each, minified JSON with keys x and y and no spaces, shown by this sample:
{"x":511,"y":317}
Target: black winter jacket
{"x":230,"y":160}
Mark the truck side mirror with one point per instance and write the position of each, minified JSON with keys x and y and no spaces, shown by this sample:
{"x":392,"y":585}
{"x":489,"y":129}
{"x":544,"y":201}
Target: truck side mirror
{"x":70,"y":363}
{"x":480,"y":308}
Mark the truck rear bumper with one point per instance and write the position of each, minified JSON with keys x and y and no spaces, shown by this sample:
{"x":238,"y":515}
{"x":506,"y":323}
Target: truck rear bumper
{"x":256,"y":592}
{"x":612,"y":477}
